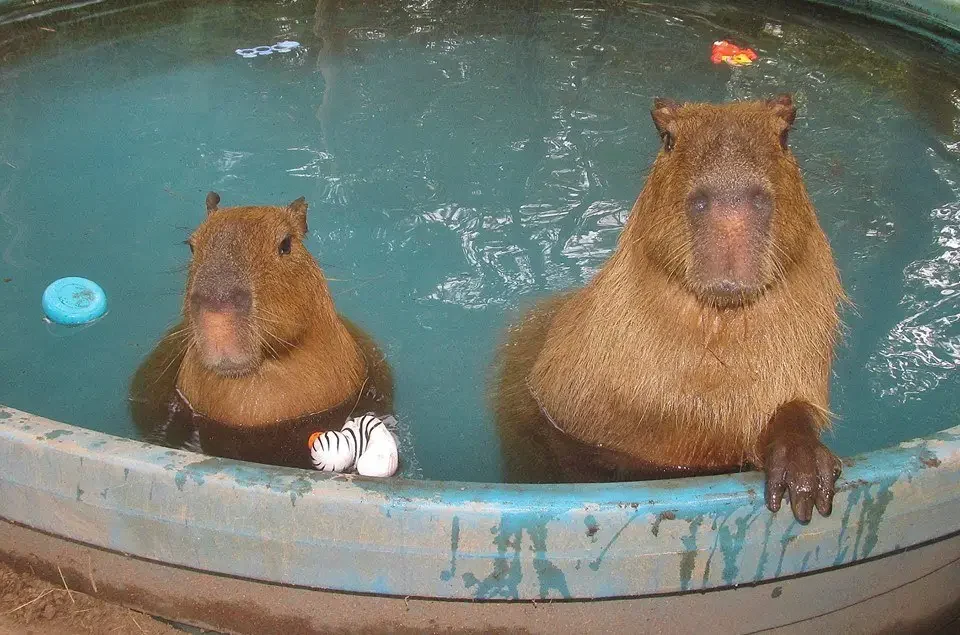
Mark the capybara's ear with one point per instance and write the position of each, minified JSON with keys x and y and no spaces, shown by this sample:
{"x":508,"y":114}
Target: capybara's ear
{"x":213,"y":199}
{"x":299,"y":210}
{"x":663,"y":113}
{"x":783,"y":107}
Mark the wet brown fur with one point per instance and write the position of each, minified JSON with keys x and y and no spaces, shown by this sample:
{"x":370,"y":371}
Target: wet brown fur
{"x":305,"y":359}
{"x":641,"y":369}
{"x":308,"y":361}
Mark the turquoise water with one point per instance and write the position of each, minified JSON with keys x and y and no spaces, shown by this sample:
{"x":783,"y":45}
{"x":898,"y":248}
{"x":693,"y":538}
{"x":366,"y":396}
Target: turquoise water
{"x":459,"y":158}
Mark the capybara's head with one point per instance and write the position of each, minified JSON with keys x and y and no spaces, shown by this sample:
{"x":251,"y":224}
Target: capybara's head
{"x":728,"y":214}
{"x":252,"y":286}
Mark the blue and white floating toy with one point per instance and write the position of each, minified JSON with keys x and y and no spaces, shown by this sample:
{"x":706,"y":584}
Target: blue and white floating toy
{"x":280,"y":47}
{"x":364,"y":442}
{"x":73,"y":301}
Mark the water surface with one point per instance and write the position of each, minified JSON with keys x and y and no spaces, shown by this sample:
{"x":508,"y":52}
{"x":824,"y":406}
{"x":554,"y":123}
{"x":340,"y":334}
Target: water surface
{"x":459,"y":159}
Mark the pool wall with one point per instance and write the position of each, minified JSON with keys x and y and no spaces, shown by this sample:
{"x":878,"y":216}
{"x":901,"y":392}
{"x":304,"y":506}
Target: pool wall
{"x":897,"y":510}
{"x":929,"y":17}
{"x":460,"y":540}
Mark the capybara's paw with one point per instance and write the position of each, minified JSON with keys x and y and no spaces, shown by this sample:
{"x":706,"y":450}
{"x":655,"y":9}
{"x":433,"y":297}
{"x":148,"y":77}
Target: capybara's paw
{"x":807,"y":470}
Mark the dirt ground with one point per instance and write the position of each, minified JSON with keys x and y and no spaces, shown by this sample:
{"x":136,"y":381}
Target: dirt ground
{"x":30,"y":606}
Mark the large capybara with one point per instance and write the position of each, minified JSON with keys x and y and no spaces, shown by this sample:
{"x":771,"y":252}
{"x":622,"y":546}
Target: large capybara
{"x":705,"y":342}
{"x":261,"y":358}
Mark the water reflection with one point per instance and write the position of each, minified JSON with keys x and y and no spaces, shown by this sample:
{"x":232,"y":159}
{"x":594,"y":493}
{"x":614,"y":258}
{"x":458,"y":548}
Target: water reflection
{"x":521,"y":136}
{"x":461,"y":156}
{"x":923,"y":349}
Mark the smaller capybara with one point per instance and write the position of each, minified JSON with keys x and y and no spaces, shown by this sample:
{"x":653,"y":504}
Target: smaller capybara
{"x":705,"y":343}
{"x":261,"y":359}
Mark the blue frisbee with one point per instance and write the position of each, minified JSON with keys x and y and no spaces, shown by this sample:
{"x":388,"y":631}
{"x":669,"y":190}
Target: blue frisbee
{"x":74,"y":301}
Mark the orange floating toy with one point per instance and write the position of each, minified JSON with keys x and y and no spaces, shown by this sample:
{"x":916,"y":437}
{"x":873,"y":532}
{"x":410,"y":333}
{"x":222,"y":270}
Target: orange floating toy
{"x":732,"y":54}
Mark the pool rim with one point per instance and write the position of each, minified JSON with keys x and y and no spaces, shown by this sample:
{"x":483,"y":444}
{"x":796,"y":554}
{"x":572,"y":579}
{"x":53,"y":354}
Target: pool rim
{"x":454,"y":540}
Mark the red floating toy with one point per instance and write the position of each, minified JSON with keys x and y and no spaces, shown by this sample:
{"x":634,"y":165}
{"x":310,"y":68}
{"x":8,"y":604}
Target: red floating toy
{"x":732,"y":54}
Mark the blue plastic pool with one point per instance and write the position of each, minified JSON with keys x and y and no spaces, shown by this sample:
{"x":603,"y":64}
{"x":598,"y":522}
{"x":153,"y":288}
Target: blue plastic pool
{"x":460,"y":159}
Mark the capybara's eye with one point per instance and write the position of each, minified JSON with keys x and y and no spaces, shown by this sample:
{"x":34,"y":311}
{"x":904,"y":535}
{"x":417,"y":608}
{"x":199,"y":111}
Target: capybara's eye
{"x":189,"y":244}
{"x":668,"y":141}
{"x":699,"y":204}
{"x":285,"y":246}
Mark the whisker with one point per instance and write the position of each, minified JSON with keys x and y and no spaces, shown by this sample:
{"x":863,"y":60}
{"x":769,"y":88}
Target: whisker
{"x":280,"y":339}
{"x":173,"y":358}
{"x":180,"y":333}
{"x":261,"y":310}
{"x":260,"y":318}
{"x":264,"y":341}
{"x":360,"y":394}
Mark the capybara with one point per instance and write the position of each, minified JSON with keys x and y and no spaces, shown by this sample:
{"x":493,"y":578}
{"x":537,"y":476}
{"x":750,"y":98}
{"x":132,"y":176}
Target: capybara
{"x":261,"y":359}
{"x":704,"y":344}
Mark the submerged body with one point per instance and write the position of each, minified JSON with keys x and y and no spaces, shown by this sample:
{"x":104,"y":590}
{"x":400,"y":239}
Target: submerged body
{"x":705,"y":342}
{"x":261,"y":359}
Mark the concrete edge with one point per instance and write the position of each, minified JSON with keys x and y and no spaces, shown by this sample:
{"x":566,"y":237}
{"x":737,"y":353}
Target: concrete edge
{"x":908,"y":592}
{"x":460,"y":540}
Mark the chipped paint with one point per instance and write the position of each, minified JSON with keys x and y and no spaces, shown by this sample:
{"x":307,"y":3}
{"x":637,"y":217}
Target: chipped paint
{"x":765,"y":550}
{"x":731,"y":544}
{"x":667,"y":515}
{"x":507,"y":572}
{"x":592,"y":527}
{"x":454,"y":545}
{"x":688,"y":557}
{"x":595,"y":565}
{"x":460,"y":540}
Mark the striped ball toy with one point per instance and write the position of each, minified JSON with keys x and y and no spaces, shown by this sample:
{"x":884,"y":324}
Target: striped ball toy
{"x":364,"y":442}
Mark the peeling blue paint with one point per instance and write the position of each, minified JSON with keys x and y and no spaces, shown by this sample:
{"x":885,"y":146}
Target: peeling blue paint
{"x":713,"y":548}
{"x":504,"y":580}
{"x":731,"y":545}
{"x":785,"y":540}
{"x":56,"y":434}
{"x":592,"y":527}
{"x":853,"y":498}
{"x":689,"y":558}
{"x":507,"y":574}
{"x":464,"y":540}
{"x":667,"y":515}
{"x":549,"y":576}
{"x":595,"y":565}
{"x":765,"y":552}
{"x":871,"y":513}
{"x":928,"y":458}
{"x":4,"y":415}
{"x":454,"y":545}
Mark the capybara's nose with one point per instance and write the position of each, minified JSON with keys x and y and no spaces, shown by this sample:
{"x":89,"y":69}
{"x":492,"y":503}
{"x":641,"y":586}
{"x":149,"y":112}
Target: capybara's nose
{"x":218,"y":299}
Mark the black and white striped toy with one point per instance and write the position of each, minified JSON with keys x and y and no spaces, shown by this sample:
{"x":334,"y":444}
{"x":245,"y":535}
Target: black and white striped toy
{"x":364,"y":442}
